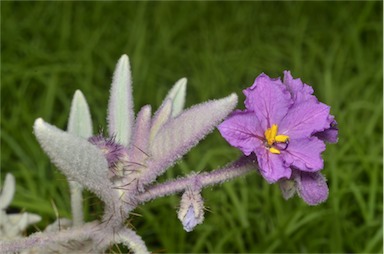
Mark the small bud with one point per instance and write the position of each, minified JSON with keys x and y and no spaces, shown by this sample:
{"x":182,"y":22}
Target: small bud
{"x":312,"y":187}
{"x":191,"y":212}
{"x":287,"y":187}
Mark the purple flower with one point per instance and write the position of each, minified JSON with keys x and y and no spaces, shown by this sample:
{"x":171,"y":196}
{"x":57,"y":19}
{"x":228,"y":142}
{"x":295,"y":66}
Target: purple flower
{"x":283,"y":124}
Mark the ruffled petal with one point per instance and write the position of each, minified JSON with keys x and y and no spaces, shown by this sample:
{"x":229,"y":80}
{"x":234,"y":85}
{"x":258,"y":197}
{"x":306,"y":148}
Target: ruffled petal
{"x":311,"y":187}
{"x":304,"y":154}
{"x":330,"y":134}
{"x":272,"y":166}
{"x":269,"y":99}
{"x":304,"y":119}
{"x":300,"y":92}
{"x":242,"y":130}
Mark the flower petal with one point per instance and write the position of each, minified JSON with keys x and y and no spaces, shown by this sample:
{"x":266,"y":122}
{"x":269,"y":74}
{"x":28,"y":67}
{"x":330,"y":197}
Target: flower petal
{"x":311,"y":187}
{"x":300,"y":92}
{"x":242,"y":130}
{"x":272,"y":166}
{"x":305,"y":154}
{"x":190,"y":220}
{"x":304,"y":119}
{"x":269,"y":99}
{"x":80,"y":122}
{"x":120,"y":107}
{"x":330,"y":134}
{"x":75,"y":157}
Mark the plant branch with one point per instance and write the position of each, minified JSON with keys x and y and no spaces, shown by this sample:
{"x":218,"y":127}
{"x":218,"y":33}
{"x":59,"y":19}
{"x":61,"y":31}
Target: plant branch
{"x":238,"y":168}
{"x":76,"y":203}
{"x":44,"y":239}
{"x":130,"y":239}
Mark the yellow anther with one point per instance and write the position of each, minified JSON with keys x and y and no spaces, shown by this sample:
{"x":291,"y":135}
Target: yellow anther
{"x":267,"y":135}
{"x":274,"y":150}
{"x":272,"y":138}
{"x":281,"y":138}
{"x":270,"y":134}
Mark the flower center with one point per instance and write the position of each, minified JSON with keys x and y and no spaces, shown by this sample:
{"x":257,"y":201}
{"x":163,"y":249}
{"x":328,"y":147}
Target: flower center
{"x":272,"y":139}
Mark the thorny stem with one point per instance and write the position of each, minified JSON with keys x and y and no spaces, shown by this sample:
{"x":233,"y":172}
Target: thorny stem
{"x":238,"y":168}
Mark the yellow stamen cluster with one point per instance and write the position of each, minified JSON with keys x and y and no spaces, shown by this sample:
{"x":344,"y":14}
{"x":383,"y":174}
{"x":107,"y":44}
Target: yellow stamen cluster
{"x":272,"y":138}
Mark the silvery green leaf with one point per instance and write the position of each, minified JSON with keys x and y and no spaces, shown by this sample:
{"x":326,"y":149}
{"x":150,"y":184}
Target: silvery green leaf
{"x":21,"y":221}
{"x":80,"y":122}
{"x":7,"y":191}
{"x":120,"y":108}
{"x":172,"y":106}
{"x":180,"y":134}
{"x":75,"y":157}
{"x":140,"y":141}
{"x":162,"y":115}
{"x":177,"y":95}
{"x":13,"y":225}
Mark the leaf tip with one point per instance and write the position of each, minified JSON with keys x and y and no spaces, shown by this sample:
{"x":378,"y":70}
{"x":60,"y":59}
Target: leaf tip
{"x":39,"y":124}
{"x":232,"y":100}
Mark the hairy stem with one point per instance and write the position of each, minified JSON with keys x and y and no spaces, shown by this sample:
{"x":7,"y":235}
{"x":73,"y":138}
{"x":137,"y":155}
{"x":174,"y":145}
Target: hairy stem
{"x":238,"y":168}
{"x":44,"y":239}
{"x":76,"y":203}
{"x":130,"y":239}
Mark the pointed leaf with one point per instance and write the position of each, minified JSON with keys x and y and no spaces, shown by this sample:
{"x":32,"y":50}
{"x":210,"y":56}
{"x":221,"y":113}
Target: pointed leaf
{"x":75,"y":157}
{"x":80,"y":122}
{"x":120,"y":108}
{"x":20,"y":221}
{"x":162,"y":115}
{"x":7,"y":191}
{"x":140,"y":141}
{"x":183,"y":132}
{"x":177,"y":95}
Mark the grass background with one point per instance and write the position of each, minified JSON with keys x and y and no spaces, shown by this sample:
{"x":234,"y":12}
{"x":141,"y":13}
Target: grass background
{"x":50,"y":49}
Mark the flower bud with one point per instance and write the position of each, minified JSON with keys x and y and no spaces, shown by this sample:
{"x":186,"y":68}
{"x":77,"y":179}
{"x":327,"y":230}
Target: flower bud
{"x":310,"y":186}
{"x":287,"y":187}
{"x":191,"y":210}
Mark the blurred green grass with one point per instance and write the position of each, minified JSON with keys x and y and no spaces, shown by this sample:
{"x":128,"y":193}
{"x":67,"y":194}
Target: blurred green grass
{"x":50,"y":49}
